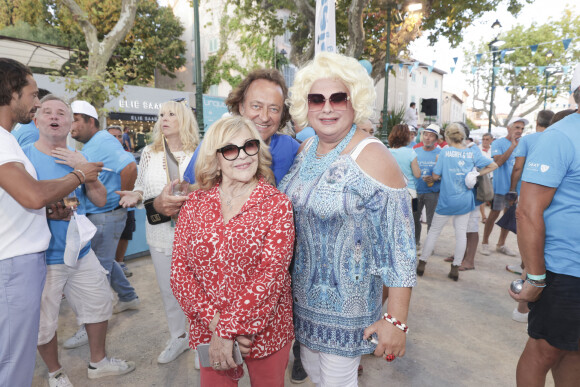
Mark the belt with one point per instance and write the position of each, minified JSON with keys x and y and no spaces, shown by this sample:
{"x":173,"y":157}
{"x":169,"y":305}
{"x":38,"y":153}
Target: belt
{"x":96,"y":213}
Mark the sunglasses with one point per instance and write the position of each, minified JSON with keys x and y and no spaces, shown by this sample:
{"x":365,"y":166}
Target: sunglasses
{"x":338,"y":101}
{"x":231,"y":152}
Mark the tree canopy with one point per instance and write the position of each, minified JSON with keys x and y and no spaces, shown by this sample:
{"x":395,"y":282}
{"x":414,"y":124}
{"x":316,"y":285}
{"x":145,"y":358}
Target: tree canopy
{"x":523,"y":74}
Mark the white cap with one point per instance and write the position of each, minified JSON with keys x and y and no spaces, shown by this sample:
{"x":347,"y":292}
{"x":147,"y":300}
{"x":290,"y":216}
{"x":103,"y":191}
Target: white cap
{"x":433,"y":128}
{"x":518,"y":119}
{"x":412,"y":128}
{"x":575,"y":79}
{"x":83,"y":107}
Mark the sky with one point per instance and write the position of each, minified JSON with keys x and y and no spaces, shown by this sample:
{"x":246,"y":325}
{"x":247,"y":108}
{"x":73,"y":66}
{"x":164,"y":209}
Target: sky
{"x":539,"y":11}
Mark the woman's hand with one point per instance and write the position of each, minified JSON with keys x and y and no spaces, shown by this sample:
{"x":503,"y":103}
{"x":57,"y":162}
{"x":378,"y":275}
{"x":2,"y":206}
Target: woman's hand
{"x":129,"y":198}
{"x":220,"y":353}
{"x":392,"y":340}
{"x":71,"y":158}
{"x":245,"y":344}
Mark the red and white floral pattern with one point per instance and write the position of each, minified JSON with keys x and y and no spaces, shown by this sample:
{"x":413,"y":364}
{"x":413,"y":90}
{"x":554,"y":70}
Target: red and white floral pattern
{"x":239,"y":269}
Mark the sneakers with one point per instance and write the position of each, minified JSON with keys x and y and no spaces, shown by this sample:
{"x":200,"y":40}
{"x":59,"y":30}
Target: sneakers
{"x":196,"y":359}
{"x":516,"y":269}
{"x":128,"y":273}
{"x":485,"y":249}
{"x":113,"y":367}
{"x":298,"y":373}
{"x":79,"y":339}
{"x":519,"y":317}
{"x":421,"y":267}
{"x":504,"y":250}
{"x":174,"y":348}
{"x":59,"y":380}
{"x":122,"y":306}
{"x":454,"y":273}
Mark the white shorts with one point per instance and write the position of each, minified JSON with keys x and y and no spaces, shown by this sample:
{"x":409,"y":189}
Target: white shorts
{"x":87,"y":291}
{"x":473,"y":222}
{"x":326,"y":370}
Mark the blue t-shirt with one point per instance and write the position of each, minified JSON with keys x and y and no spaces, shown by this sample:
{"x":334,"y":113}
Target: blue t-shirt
{"x":426,"y":161}
{"x":404,"y":156}
{"x":525,"y":146}
{"x":26,"y":134}
{"x":106,"y":148}
{"x":502,"y":176}
{"x":453,"y":164}
{"x":556,"y":164}
{"x":47,"y":169}
{"x":412,"y":144}
{"x":305,"y":134}
{"x":283,"y":149}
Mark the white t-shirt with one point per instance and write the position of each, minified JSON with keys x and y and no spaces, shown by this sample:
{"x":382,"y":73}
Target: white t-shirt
{"x":22,"y":230}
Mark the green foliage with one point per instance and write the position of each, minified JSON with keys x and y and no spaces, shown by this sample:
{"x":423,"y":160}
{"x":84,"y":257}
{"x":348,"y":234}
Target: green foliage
{"x":470,"y":124}
{"x":393,"y":118}
{"x":523,"y":87}
{"x":37,"y":33}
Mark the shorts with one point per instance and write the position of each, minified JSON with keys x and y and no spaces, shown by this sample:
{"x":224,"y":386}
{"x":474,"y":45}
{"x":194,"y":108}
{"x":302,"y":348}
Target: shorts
{"x":87,"y":291}
{"x":129,"y":226}
{"x":555,"y":317}
{"x":499,"y":203}
{"x":473,"y":222}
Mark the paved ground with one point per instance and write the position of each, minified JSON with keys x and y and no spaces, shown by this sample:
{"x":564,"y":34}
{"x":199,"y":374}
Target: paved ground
{"x":461,"y":333}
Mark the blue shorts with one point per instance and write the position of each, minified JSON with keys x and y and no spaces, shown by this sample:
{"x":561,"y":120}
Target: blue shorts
{"x":555,"y":317}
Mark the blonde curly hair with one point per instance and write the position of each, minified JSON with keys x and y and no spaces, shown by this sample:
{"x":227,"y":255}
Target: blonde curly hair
{"x":337,"y":67}
{"x":188,"y":129}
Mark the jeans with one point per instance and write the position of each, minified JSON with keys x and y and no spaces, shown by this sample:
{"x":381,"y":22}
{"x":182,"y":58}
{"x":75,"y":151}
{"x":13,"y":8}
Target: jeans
{"x":429,"y":201}
{"x":460,"y":225}
{"x":21,"y":283}
{"x":110,"y":226}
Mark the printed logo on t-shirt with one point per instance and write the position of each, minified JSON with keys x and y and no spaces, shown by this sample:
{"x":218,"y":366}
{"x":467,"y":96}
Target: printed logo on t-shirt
{"x":544,"y":168}
{"x":461,"y":163}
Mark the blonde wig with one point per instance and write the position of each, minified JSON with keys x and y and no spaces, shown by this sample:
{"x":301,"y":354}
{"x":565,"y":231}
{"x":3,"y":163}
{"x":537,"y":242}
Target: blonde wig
{"x":188,"y":130}
{"x":207,"y":172}
{"x":336,"y":67}
{"x":454,"y":133}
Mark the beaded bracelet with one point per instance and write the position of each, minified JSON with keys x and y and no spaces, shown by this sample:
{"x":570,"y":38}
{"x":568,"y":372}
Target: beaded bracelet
{"x":537,"y":284}
{"x":396,"y":323}
{"x":82,"y":173}
{"x":77,"y":176}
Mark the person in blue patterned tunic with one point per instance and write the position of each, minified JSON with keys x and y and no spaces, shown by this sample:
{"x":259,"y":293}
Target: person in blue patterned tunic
{"x":354,"y":226}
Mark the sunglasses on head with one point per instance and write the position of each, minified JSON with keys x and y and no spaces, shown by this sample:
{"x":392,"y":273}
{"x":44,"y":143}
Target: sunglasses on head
{"x":338,"y":101}
{"x":231,"y":152}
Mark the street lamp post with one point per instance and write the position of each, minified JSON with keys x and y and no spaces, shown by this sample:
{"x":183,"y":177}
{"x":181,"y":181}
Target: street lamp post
{"x":198,"y":82}
{"x":492,"y":47}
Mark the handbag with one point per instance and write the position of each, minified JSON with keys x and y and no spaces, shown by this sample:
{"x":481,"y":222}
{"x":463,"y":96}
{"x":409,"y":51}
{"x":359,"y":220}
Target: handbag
{"x":484,"y":188}
{"x":154,"y":217}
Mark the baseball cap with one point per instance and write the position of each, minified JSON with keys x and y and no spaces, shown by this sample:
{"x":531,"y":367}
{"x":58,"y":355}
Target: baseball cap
{"x":575,"y":83}
{"x":516,"y":119}
{"x":83,"y":107}
{"x":433,"y":128}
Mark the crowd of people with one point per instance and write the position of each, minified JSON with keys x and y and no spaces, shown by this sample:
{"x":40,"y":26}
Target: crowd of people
{"x":263,"y":244}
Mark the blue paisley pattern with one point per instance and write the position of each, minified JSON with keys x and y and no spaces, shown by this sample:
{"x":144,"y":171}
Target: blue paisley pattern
{"x":353,"y":234}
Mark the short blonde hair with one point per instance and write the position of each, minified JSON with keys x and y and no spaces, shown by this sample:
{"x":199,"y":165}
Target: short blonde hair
{"x":337,"y":67}
{"x":218,"y":135}
{"x":454,"y":133}
{"x":188,"y":129}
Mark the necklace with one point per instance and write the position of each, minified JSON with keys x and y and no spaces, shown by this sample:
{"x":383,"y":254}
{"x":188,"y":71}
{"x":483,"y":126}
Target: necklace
{"x":229,"y":201}
{"x":315,"y":164}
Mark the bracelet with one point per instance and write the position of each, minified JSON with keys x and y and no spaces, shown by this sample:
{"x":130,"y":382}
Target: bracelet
{"x":396,"y":323}
{"x":82,"y":173}
{"x":536,"y":284}
{"x":141,"y":199}
{"x":540,"y":277}
{"x":77,"y":176}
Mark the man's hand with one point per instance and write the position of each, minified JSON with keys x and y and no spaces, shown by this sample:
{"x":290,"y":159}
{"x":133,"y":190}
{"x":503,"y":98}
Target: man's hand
{"x":392,"y":340}
{"x":57,"y":211}
{"x":91,"y":170}
{"x":529,"y":293}
{"x":166,"y":203}
{"x":68,"y":157}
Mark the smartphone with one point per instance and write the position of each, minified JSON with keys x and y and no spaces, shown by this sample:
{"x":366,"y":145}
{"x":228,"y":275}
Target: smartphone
{"x":203,"y":352}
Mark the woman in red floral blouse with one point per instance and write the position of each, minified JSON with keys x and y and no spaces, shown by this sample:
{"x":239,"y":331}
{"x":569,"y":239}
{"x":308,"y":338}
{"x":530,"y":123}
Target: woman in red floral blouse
{"x":233,"y":244}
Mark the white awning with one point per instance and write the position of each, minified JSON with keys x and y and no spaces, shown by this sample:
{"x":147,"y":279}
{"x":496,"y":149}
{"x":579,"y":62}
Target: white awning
{"x":34,"y":54}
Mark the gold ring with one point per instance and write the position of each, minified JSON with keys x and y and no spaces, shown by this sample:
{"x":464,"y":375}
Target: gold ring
{"x":217,"y":365}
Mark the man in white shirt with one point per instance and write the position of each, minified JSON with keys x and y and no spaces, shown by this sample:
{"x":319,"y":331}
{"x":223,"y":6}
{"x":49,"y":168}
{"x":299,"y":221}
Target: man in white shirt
{"x":23,"y":227}
{"x":411,"y":115}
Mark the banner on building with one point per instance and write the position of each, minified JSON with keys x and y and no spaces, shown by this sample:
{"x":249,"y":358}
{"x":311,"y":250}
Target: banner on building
{"x":325,"y":26}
